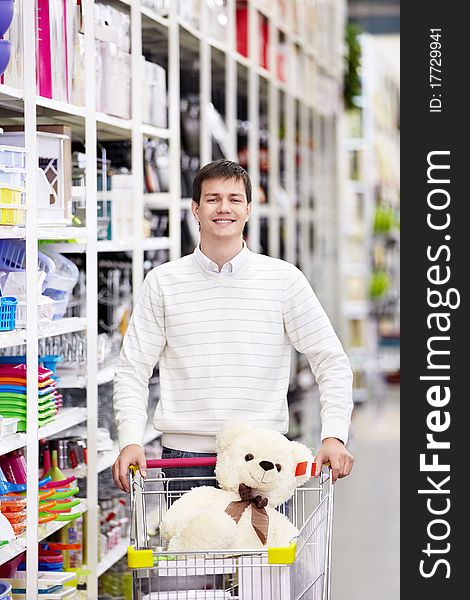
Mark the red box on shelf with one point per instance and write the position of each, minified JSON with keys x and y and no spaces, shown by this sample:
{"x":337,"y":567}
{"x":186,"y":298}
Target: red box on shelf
{"x":242,"y":34}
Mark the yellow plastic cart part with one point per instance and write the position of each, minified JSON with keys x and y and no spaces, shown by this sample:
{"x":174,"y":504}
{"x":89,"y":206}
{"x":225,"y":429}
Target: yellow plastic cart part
{"x":139,"y":559}
{"x":282,"y":556}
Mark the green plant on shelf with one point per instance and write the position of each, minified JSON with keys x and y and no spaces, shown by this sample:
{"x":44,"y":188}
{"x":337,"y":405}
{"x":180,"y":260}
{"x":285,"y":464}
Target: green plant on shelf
{"x":352,"y":77}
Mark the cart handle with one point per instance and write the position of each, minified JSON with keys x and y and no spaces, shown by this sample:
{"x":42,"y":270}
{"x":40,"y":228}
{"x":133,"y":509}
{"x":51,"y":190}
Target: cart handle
{"x":172,"y":463}
{"x":303,"y":468}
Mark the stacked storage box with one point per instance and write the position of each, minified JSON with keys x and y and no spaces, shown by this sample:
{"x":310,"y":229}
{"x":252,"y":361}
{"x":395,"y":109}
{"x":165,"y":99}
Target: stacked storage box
{"x":12,"y":185}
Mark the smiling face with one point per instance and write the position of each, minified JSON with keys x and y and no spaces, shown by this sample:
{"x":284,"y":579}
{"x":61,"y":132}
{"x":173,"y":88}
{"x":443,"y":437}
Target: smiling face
{"x":223,"y":209}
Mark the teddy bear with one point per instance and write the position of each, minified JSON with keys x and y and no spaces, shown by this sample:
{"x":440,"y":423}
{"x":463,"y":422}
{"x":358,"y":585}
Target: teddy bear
{"x":256,"y":473}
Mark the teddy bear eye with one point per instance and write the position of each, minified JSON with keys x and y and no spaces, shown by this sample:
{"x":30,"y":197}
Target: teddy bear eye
{"x":249,"y":457}
{"x":278,"y":467}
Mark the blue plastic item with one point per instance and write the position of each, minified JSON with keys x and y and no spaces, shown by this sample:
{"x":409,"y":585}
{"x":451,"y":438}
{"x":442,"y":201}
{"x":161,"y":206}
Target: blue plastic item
{"x":6,"y":487}
{"x":5,"y":590}
{"x":7,"y":311}
{"x":13,"y":258}
{"x":7,"y":10}
{"x":48,"y":361}
{"x":5,"y":53}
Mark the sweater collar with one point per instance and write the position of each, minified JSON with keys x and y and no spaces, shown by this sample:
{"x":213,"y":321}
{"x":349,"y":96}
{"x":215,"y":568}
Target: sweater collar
{"x":231,"y":266}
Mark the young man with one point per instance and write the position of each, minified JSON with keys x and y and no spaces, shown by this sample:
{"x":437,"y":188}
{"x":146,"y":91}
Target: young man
{"x":221,"y":323}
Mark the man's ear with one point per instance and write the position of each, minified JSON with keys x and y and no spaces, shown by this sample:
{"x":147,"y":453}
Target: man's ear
{"x":195,"y":209}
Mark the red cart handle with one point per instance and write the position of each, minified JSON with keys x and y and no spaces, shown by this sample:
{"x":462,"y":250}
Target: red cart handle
{"x":172,"y":463}
{"x":303,"y":468}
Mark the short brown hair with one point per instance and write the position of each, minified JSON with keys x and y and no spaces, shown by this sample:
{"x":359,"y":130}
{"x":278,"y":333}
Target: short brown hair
{"x":221,"y":169}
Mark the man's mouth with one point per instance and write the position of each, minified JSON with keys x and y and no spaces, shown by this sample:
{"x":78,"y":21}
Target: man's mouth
{"x":223,"y":220}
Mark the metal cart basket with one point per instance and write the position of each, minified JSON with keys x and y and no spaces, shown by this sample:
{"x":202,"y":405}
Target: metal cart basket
{"x":300,"y":571}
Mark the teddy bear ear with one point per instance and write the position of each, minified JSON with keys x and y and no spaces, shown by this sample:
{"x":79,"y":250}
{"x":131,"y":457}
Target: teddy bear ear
{"x":229,"y":432}
{"x":301,"y":452}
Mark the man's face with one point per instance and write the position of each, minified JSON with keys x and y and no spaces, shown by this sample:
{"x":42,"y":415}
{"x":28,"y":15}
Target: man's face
{"x":223,"y":209}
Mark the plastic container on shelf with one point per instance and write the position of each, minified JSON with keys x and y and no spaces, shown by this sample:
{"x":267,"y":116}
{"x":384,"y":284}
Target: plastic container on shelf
{"x":60,"y":303}
{"x":46,"y":311}
{"x":5,"y":591}
{"x":16,"y":516}
{"x":5,"y":53}
{"x":12,"y":204}
{"x":12,"y":503}
{"x":11,"y":194}
{"x":66,"y":272}
{"x":52,"y":194}
{"x":8,"y":306}
{"x":12,"y":156}
{"x":13,"y":176}
{"x":7,"y":10}
{"x":13,"y":258}
{"x":8,"y":426}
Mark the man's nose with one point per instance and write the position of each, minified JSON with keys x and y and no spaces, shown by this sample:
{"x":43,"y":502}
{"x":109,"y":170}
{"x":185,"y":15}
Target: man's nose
{"x":224,"y":206}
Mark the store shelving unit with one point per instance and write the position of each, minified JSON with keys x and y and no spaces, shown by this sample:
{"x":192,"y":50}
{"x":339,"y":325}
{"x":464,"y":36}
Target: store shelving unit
{"x":292,"y":99}
{"x":44,"y":531}
{"x":371,"y":139}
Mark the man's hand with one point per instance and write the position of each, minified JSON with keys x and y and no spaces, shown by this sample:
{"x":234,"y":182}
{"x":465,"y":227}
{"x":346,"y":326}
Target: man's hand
{"x":334,"y":451}
{"x":130,"y":455}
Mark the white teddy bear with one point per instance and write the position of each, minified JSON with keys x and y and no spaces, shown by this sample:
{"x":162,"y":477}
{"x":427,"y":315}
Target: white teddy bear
{"x":256,"y":471}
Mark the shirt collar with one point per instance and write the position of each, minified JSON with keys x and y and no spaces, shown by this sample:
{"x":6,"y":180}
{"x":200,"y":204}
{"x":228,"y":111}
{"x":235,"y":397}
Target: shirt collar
{"x":229,"y":267}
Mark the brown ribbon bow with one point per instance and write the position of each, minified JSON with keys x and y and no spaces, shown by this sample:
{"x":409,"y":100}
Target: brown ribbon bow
{"x":259,"y":516}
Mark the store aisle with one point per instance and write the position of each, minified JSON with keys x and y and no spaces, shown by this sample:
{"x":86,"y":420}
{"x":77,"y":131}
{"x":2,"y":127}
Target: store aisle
{"x":367,"y":511}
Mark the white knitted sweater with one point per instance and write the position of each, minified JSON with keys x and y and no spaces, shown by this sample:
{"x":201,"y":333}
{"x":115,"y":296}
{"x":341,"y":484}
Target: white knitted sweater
{"x":223,"y":343}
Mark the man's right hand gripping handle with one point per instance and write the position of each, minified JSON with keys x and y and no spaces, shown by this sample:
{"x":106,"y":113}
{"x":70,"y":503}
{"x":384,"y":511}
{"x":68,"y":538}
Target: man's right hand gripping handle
{"x":130,"y":455}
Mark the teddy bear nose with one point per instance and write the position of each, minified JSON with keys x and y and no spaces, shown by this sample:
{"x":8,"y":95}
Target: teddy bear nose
{"x":266,"y":465}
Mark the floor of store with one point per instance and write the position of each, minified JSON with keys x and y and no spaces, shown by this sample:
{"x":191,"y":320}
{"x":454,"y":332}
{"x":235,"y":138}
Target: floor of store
{"x":367,"y":514}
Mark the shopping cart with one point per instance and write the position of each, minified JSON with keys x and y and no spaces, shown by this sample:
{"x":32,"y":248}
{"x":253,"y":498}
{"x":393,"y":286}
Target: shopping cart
{"x":300,"y":571}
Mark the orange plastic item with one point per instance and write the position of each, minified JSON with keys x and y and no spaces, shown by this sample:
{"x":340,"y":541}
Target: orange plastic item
{"x":12,"y":504}
{"x":60,"y":546}
{"x":46,"y":494}
{"x":18,"y":528}
{"x":18,"y":516}
{"x":47,"y":505}
{"x":46,"y":518}
{"x":43,"y":495}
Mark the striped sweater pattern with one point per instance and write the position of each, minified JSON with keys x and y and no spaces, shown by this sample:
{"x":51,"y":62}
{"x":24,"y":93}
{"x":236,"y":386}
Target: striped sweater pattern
{"x":223,"y":343}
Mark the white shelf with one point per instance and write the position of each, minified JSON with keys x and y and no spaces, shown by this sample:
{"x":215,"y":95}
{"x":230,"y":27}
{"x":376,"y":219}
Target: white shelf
{"x":113,"y":124}
{"x":161,"y":243}
{"x":110,"y":246}
{"x":153,"y":16}
{"x":66,"y":419}
{"x":46,"y":232}
{"x":17,"y":546}
{"x":152,"y":131}
{"x":18,"y":336}
{"x":79,"y":381}
{"x":68,"y":325}
{"x":12,"y":338}
{"x":112,"y":556}
{"x":7,"y":92}
{"x":12,"y":442}
{"x":68,"y":247}
{"x":61,"y":107}
{"x":157,"y":200}
{"x":11,"y":232}
{"x":356,"y":309}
